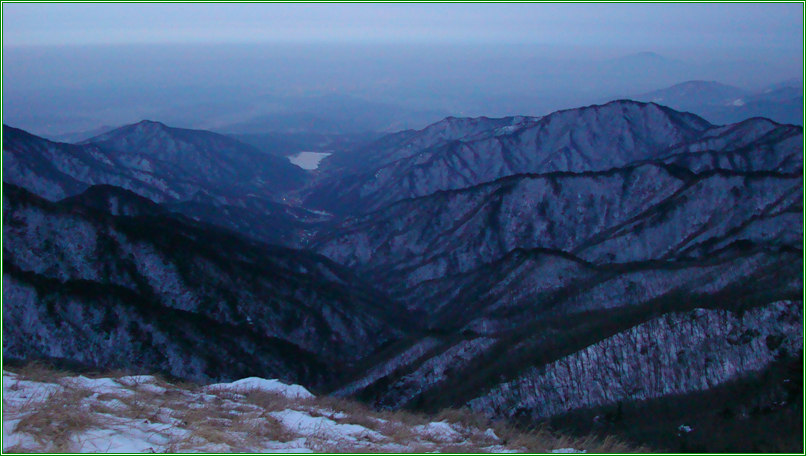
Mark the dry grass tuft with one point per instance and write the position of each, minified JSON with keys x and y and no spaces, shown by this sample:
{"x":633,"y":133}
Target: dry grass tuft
{"x":55,"y":420}
{"x":463,"y":416}
{"x":222,"y":420}
{"x":39,"y":371}
{"x":543,"y":440}
{"x":397,"y":432}
{"x":268,"y":401}
{"x":405,"y":417}
{"x":236,"y":426}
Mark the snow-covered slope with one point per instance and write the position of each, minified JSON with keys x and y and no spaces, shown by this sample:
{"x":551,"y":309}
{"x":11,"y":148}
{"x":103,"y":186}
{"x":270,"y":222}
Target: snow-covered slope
{"x":407,"y":143}
{"x":672,"y":354}
{"x":591,"y":360}
{"x":631,"y":214}
{"x":203,"y":175}
{"x":594,"y":138}
{"x":724,"y":104}
{"x":56,"y":412}
{"x":209,"y":159}
{"x":463,"y":261}
{"x":753,"y":145}
{"x":57,"y":170}
{"x":519,"y":271}
{"x":253,"y":216}
{"x":83,"y":285}
{"x":149,"y":158}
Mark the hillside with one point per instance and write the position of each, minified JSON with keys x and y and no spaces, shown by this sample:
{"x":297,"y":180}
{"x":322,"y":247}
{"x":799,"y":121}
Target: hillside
{"x":536,"y":270}
{"x":189,"y":299}
{"x":55,"y":411}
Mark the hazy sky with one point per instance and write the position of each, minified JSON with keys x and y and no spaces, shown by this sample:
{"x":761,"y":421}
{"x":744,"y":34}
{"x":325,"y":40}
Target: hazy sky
{"x":202,"y":65}
{"x":663,"y":25}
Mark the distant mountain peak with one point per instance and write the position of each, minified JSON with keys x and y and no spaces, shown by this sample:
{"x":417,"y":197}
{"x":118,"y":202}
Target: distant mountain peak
{"x":701,"y":83}
{"x":151,"y":124}
{"x":693,"y":95}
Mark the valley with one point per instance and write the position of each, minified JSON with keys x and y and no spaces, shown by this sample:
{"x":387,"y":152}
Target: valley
{"x":525,"y":268}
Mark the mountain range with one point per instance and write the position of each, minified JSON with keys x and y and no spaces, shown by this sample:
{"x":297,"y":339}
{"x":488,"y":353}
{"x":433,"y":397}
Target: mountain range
{"x":523,"y":267}
{"x":595,"y":138}
{"x":724,"y":104}
{"x":107,"y":280}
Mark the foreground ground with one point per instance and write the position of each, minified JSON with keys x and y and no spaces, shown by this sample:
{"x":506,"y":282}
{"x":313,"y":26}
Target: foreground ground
{"x":45,"y":410}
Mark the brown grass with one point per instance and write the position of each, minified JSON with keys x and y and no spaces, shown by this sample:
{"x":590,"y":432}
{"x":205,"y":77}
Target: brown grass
{"x":405,"y":417}
{"x":542,"y":440}
{"x":239,"y":426}
{"x":242,"y":421}
{"x":267,"y":401}
{"x":38,"y":371}
{"x":397,"y":432}
{"x":55,"y":420}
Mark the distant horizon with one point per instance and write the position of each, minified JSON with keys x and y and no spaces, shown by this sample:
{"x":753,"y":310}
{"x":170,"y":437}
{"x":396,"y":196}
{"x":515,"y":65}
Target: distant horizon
{"x":554,"y":50}
{"x":523,"y":62}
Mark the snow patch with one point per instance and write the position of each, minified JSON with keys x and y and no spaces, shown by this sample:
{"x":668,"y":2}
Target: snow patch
{"x":214,"y":424}
{"x":255,"y":383}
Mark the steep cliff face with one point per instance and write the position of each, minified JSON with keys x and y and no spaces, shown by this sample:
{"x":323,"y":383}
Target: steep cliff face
{"x":217,"y":280}
{"x":673,"y":354}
